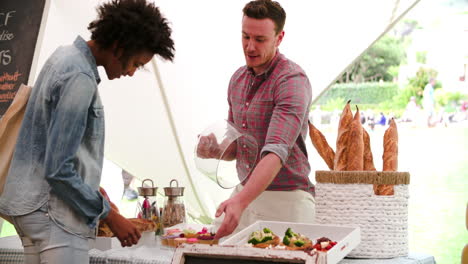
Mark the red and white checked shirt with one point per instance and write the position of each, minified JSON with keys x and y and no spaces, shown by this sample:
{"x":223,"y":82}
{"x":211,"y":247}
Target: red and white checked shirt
{"x":273,"y":107}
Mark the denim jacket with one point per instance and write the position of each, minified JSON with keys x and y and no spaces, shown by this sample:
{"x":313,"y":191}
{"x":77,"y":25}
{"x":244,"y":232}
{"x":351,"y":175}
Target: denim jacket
{"x":59,"y":153}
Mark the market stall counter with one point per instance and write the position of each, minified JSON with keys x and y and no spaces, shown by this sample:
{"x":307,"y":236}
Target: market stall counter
{"x":150,"y":251}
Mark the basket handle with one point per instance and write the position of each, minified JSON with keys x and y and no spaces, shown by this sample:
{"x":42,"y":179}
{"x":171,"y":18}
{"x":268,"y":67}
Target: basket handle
{"x":142,"y":183}
{"x":174,"y":180}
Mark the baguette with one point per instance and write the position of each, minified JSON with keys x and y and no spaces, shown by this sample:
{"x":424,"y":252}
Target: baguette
{"x":368,"y":159}
{"x":390,"y":154}
{"x":144,"y":225}
{"x":355,"y":153}
{"x":321,"y":145}
{"x":390,"y":157}
{"x":341,"y":158}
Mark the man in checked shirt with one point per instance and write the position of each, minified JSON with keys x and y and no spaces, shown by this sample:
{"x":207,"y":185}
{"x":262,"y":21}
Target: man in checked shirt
{"x":269,"y":98}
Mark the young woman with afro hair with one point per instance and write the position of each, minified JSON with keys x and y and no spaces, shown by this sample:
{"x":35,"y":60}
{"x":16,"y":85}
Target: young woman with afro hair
{"x":51,"y":194}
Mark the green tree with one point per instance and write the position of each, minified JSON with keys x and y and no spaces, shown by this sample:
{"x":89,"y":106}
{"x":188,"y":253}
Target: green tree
{"x":415,"y":87}
{"x":419,"y":81}
{"x":421,"y":56}
{"x":379,"y":62}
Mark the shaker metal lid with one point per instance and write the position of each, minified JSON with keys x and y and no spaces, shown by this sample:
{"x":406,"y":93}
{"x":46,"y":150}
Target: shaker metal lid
{"x":147,"y":191}
{"x":174,"y":191}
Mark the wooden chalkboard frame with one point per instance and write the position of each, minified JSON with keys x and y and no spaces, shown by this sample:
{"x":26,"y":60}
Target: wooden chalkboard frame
{"x":28,"y":76}
{"x":207,"y":254}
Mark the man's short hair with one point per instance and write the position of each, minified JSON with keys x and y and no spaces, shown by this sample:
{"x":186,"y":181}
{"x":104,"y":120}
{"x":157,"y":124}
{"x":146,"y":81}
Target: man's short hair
{"x":260,"y":9}
{"x":135,"y":26}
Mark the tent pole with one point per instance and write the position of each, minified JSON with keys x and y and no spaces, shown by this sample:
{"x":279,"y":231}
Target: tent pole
{"x":174,"y":131}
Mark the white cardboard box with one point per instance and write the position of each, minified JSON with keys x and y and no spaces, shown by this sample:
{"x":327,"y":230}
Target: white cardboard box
{"x":101,"y":243}
{"x":107,"y":243}
{"x":347,"y":237}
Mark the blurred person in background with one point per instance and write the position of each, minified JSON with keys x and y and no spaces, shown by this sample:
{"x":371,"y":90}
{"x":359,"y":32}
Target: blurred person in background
{"x":429,"y":101}
{"x":370,"y":119}
{"x":411,"y":111}
{"x":382,"y":119}
{"x":129,"y":192}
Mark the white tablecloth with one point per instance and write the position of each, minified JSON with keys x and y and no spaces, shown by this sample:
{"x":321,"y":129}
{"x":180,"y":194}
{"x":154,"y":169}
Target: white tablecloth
{"x":149,"y":251}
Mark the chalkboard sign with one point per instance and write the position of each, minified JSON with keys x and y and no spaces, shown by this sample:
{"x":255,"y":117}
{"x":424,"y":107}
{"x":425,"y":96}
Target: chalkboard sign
{"x":20,"y":24}
{"x":211,"y":260}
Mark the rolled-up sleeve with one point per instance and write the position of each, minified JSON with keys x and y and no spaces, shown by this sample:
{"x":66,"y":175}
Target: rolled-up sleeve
{"x":66,"y":131}
{"x":291,"y":99}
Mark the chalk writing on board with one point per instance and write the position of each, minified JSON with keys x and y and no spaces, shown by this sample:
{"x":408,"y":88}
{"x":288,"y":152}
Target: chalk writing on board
{"x":20,"y":22}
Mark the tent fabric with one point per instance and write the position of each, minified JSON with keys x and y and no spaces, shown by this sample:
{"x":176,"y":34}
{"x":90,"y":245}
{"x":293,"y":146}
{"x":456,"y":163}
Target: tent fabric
{"x":156,"y":140}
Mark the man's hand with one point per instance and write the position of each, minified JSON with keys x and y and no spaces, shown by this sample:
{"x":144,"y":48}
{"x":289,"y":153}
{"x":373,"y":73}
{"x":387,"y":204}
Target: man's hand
{"x":259,"y":180}
{"x":208,"y":147}
{"x":232,"y":209}
{"x":123,"y":229}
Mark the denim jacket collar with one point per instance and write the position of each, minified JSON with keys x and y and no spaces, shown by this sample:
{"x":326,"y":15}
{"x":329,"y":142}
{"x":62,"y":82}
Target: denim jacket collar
{"x":82,"y":46}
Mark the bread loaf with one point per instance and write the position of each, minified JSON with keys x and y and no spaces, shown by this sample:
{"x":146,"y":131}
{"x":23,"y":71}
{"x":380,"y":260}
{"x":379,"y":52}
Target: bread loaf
{"x":143,"y":225}
{"x":368,"y":159}
{"x":274,"y":242}
{"x":104,"y":230}
{"x":341,"y":158}
{"x":390,"y":153}
{"x":307,"y":245}
{"x":321,"y":145}
{"x":390,"y":157}
{"x":355,"y":149}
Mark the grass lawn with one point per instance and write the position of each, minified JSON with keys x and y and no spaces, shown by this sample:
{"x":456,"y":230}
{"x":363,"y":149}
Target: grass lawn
{"x":438,"y":164}
{"x":437,"y":160}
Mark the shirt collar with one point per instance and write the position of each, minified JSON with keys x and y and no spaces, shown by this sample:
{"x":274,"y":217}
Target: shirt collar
{"x":270,"y":67}
{"x":83,"y":47}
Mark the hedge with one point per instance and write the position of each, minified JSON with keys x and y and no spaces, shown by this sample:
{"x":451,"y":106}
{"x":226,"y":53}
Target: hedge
{"x":361,"y":93}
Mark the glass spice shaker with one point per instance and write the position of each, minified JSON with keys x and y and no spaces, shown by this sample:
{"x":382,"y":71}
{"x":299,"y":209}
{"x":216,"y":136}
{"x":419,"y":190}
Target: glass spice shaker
{"x":148,"y":208}
{"x":174,"y":207}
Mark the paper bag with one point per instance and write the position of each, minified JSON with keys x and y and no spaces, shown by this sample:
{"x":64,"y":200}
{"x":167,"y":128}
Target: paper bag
{"x":10,"y":125}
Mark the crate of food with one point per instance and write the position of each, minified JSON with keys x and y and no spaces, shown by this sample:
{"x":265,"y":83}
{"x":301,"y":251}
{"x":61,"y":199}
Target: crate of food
{"x":328,"y":242}
{"x":188,"y":234}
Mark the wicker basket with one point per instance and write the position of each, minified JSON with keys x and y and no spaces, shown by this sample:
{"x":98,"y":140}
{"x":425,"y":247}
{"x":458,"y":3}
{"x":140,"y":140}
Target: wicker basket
{"x":347,"y":198}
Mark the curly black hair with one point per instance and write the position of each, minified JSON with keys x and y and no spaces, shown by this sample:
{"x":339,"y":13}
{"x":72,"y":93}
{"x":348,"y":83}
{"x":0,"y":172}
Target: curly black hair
{"x":135,"y":26}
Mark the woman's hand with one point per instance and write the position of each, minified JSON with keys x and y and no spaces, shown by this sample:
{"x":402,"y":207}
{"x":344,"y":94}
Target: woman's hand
{"x":123,"y":229}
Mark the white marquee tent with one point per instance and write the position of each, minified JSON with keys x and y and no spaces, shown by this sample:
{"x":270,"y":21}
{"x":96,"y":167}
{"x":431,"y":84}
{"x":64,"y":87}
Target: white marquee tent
{"x":153,"y":119}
